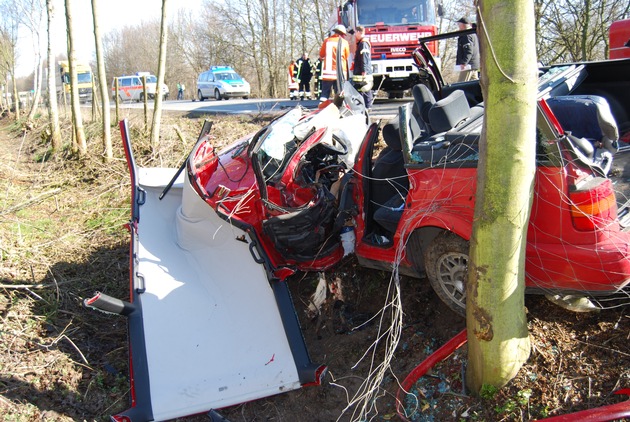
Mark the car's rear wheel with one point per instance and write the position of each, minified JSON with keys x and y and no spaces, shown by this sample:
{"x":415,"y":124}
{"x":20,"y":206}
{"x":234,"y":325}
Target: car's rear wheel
{"x":200,"y":95}
{"x":217,"y":95}
{"x":245,"y":97}
{"x":446,"y":264}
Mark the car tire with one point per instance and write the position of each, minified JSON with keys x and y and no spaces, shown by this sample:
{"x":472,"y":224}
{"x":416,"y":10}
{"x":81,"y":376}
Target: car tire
{"x":446,"y":263}
{"x":217,"y":95}
{"x":200,"y":95}
{"x":246,"y":97}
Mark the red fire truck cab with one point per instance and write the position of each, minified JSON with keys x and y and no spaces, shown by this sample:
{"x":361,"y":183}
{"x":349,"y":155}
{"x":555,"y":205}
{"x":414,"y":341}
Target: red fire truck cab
{"x":620,"y":39}
{"x":393,"y":30}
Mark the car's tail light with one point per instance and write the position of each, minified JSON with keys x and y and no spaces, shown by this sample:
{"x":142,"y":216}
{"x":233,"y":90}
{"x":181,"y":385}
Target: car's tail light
{"x":593,"y":205}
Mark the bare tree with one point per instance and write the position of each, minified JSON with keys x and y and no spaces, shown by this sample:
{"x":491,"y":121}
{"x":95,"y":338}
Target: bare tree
{"x":157,"y":108}
{"x":5,"y":64}
{"x":181,"y":50}
{"x":31,"y":14}
{"x":102,"y":84}
{"x":575,"y":30}
{"x":498,"y":338}
{"x":257,"y":38}
{"x":10,"y":25}
{"x":77,"y":119}
{"x":53,"y":112}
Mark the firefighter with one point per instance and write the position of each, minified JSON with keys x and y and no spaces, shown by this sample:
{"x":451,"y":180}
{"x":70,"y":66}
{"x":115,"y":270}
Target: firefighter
{"x":304,"y":75}
{"x":362,"y":77}
{"x":293,"y":85}
{"x":328,"y":56}
{"x":317,"y":71}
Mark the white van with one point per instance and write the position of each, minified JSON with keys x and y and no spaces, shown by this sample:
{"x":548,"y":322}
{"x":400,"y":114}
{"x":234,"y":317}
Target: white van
{"x":221,"y":82}
{"x":130,"y":87}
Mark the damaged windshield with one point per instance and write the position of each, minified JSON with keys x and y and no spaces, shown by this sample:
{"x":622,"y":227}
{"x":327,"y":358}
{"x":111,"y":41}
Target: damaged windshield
{"x":277,"y":144}
{"x":281,"y":139}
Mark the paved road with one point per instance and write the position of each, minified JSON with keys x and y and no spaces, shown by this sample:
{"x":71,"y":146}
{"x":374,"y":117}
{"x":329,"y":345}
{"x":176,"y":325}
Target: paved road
{"x":381,"y":109}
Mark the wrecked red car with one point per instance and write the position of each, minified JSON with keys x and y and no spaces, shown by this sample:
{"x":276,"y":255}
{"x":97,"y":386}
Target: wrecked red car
{"x":312,"y":187}
{"x":412,"y":205}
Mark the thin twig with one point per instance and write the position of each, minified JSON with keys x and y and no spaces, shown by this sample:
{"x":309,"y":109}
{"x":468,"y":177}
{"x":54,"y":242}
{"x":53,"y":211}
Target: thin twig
{"x":31,"y":201}
{"x":32,"y":286}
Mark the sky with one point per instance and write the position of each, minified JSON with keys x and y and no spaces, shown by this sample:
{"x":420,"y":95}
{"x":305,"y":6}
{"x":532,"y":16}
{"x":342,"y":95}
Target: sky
{"x":114,"y":14}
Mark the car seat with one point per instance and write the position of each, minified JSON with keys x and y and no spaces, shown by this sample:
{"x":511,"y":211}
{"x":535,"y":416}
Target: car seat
{"x":588,"y":118}
{"x":448,"y":112}
{"x":443,"y":116}
{"x":389,"y":176}
{"x":423,"y":101}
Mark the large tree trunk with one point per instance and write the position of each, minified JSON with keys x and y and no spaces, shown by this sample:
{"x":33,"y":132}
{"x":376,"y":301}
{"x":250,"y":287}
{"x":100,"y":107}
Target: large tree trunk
{"x":157,"y":108}
{"x":102,"y":84}
{"x":77,"y":118}
{"x":53,"y":112}
{"x":498,"y":341}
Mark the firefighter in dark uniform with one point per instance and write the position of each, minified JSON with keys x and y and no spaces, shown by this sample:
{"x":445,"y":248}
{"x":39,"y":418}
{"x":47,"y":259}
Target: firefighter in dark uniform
{"x":304,"y":75}
{"x":362,"y":77}
{"x":293,"y":85}
{"x":317,"y":71}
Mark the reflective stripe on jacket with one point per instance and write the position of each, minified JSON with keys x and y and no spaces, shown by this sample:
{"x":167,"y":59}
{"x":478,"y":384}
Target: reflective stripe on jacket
{"x":328,"y":56}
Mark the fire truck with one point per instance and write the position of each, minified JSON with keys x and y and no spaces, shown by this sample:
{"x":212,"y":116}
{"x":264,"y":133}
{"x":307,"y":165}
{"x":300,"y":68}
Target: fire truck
{"x":393,"y":29}
{"x":620,"y":39}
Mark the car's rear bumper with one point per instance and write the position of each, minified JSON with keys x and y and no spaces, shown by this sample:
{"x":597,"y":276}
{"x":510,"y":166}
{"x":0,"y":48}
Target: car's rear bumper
{"x":601,"y":268}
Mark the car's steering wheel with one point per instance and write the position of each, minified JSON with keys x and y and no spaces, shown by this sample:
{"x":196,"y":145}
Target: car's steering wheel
{"x":340,"y":147}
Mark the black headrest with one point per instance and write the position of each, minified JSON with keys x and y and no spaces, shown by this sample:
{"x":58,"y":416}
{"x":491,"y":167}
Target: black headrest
{"x":424,"y":99}
{"x":391,"y":136}
{"x":446,"y":113}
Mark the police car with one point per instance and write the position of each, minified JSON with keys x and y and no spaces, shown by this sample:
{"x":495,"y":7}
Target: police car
{"x":221,"y":82}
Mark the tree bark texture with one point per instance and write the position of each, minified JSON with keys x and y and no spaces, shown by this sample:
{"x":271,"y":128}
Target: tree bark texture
{"x":157,"y":110}
{"x":53,"y":110}
{"x":77,"y":118}
{"x":102,"y":84}
{"x":498,"y":341}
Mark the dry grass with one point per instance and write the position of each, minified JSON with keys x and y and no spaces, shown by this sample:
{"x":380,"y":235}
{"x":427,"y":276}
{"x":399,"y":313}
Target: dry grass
{"x":62,"y":237}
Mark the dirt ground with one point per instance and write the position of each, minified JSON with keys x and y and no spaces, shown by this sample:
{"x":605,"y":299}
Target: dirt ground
{"x":62,"y":238}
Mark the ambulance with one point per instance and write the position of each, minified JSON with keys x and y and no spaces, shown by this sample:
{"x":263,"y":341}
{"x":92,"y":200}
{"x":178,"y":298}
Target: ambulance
{"x":130,"y":87}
